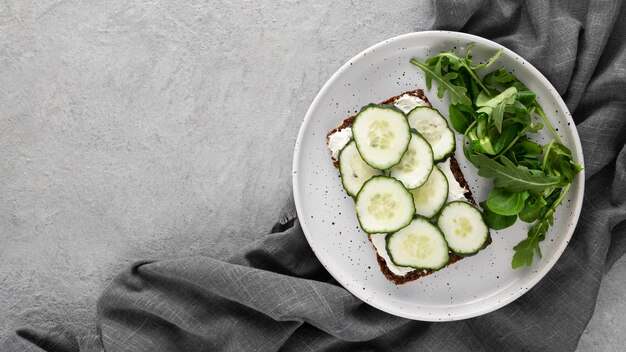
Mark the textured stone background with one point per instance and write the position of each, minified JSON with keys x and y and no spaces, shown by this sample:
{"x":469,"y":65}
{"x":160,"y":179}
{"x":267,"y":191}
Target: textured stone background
{"x":138,"y":130}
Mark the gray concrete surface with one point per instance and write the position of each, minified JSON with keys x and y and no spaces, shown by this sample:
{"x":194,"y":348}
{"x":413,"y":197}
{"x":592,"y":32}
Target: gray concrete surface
{"x":605,"y":331}
{"x":139,"y":129}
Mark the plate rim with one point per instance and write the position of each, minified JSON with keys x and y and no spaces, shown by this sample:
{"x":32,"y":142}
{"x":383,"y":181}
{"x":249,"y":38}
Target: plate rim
{"x":536,"y":277}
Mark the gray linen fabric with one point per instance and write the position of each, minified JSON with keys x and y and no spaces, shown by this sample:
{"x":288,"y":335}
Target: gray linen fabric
{"x":275,"y":295}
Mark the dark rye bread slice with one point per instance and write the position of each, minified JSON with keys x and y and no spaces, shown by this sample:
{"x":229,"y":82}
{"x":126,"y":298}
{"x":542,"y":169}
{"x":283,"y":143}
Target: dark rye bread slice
{"x":456,"y":171}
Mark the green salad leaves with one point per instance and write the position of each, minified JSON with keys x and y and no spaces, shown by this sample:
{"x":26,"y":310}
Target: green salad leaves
{"x":495,"y":115}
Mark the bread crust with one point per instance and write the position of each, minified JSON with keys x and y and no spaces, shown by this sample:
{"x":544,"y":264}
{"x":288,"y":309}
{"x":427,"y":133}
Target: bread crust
{"x":456,"y":171}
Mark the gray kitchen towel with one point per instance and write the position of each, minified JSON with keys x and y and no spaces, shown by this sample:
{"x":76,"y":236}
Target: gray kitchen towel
{"x":275,"y":295}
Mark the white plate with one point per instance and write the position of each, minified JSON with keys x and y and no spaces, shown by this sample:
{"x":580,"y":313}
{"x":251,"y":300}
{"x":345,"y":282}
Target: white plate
{"x":471,"y":287}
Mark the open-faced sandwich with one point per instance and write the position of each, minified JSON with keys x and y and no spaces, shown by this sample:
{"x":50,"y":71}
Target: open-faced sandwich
{"x":396,"y":159}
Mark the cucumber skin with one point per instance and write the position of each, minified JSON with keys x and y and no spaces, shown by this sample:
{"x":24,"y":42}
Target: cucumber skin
{"x":449,"y":153}
{"x":485,"y":241}
{"x":389,"y":231}
{"x":446,"y":156}
{"x":340,"y":176}
{"x":380,"y":106}
{"x":414,"y":131}
{"x":443,"y":204}
{"x":427,"y":220}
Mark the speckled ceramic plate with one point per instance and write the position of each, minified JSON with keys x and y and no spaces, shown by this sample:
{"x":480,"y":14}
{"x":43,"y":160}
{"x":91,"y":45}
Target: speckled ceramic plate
{"x":470,"y":287}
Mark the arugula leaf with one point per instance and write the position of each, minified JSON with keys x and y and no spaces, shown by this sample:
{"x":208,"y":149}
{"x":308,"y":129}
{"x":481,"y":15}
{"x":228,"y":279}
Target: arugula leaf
{"x":498,"y":116}
{"x":543,"y":117}
{"x":486,"y":146}
{"x":512,"y":177}
{"x":496,"y":221}
{"x":504,"y":202}
{"x":494,"y":107}
{"x":558,"y":161}
{"x":507,"y":79}
{"x":501,"y":76}
{"x":495,"y":114}
{"x":459,"y":119}
{"x":465,"y":80}
{"x":532,"y":208}
{"x":525,"y":250}
{"x":481,"y":126}
{"x":482,"y":98}
{"x":530,"y":163}
{"x":456,"y":63}
{"x":526,"y":97}
{"x":526,"y":149}
{"x":491,"y":61}
{"x":509,"y":133}
{"x":474,"y":148}
{"x":535,"y":127}
{"x":457,"y":93}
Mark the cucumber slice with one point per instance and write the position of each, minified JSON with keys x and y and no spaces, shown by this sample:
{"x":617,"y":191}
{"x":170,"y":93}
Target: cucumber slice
{"x":354,"y":171}
{"x":416,"y":163}
{"x":464,"y":228}
{"x":432,"y":195}
{"x":419,"y":245}
{"x":434,"y":127}
{"x":381,"y":134}
{"x":384,"y":205}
